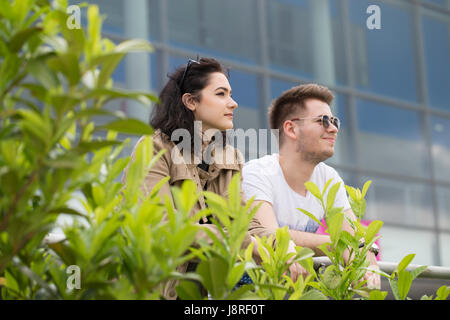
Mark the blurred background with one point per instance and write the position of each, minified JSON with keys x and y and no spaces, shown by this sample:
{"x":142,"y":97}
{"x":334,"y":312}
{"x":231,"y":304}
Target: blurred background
{"x":392,"y":88}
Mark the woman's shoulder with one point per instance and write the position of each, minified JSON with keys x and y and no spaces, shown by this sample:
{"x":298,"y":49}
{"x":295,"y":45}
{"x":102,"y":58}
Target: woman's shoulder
{"x":159,"y":140}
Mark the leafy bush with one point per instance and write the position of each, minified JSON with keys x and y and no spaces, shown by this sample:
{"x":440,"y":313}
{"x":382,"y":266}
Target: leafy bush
{"x":122,"y":245}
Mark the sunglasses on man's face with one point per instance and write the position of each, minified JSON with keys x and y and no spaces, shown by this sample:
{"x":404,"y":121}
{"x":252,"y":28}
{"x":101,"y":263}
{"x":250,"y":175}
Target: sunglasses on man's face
{"x":188,"y":64}
{"x":324,"y":120}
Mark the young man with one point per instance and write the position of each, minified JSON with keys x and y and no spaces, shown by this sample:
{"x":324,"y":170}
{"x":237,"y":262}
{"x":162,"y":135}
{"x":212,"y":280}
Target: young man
{"x":307,"y":134}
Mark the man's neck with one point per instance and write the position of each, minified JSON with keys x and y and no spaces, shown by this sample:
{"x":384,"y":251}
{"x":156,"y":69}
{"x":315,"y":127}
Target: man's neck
{"x":296,"y":171}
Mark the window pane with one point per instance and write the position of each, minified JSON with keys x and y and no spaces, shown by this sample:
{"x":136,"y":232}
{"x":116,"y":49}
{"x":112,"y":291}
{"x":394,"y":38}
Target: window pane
{"x":396,"y":243}
{"x":176,"y":62}
{"x":444,"y":207}
{"x":306,"y":39}
{"x":397,"y":202}
{"x":444,"y":239}
{"x":113,"y":11}
{"x":343,"y":151}
{"x":246,"y":135}
{"x":390,"y":140}
{"x":220,"y":28}
{"x":384,"y":58}
{"x":444,"y":3}
{"x":154,"y":17}
{"x":155,"y":70}
{"x":277,"y":87}
{"x":437,"y":56}
{"x":440,"y":135}
{"x":119,"y":75}
{"x":245,"y":88}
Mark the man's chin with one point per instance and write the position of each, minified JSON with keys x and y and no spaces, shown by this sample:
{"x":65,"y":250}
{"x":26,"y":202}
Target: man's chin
{"x":316,"y":158}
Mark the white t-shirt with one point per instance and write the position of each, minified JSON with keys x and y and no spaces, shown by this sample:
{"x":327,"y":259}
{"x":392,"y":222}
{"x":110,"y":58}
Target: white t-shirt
{"x":264,"y":179}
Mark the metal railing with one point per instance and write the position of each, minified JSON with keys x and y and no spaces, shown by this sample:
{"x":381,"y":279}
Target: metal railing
{"x":431,"y":272}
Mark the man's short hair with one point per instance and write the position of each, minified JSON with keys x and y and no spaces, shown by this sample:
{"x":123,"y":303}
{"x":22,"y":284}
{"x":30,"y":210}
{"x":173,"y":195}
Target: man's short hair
{"x":292,"y":101}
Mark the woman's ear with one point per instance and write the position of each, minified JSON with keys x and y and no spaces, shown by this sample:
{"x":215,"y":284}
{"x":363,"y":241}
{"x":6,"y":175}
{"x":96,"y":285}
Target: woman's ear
{"x":189,"y":101}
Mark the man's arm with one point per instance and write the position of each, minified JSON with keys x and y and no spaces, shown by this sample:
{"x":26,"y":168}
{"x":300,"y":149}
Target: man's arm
{"x":266,"y":215}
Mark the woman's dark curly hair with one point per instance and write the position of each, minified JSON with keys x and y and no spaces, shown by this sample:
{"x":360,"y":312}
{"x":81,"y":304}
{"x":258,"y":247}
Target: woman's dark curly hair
{"x":171,"y":113}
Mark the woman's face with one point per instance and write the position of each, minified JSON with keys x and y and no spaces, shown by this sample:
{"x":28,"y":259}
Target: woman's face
{"x":215,"y":106}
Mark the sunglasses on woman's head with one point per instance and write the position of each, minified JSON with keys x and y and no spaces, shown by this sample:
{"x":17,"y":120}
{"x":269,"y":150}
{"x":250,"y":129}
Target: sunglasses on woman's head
{"x":325,"y":120}
{"x":188,"y":64}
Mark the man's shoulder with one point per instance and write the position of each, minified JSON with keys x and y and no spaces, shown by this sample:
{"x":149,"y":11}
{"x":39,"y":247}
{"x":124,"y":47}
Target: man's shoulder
{"x":267,"y":160}
{"x":265,"y":167}
{"x":323,"y":172}
{"x":323,"y":167}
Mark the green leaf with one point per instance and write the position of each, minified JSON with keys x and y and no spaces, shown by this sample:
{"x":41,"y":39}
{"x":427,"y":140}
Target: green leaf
{"x":19,"y":39}
{"x":116,"y":93}
{"x":110,"y":60}
{"x":130,"y":126}
{"x":11,"y":282}
{"x":88,"y":146}
{"x":417,"y":271}
{"x":214,"y":276}
{"x":313,"y":294}
{"x":332,"y":195}
{"x":311,"y":216}
{"x":377,"y":295}
{"x":405,"y":262}
{"x":312,"y":187}
{"x":394,"y":288}
{"x":442,"y":293}
{"x":39,"y":70}
{"x":188,"y":290}
{"x":366,"y":187}
{"x":324,"y":247}
{"x":326,"y":186}
{"x":68,"y":65}
{"x":133,"y":45}
{"x":93,"y":47}
{"x":404,"y":284}
{"x":67,"y":210}
{"x":244,"y":293}
{"x":234,"y":194}
{"x":334,"y":224}
{"x":331,"y":277}
{"x":349,"y":240}
{"x":109,"y":64}
{"x":351,"y":192}
{"x":235,"y":274}
{"x":372,"y":230}
{"x":304,"y":253}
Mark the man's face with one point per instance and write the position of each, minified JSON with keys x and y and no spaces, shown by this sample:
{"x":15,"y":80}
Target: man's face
{"x":316,"y":144}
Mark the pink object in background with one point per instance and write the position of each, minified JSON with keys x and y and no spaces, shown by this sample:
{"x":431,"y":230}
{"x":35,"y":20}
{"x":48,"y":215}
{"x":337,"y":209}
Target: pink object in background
{"x":321,"y":230}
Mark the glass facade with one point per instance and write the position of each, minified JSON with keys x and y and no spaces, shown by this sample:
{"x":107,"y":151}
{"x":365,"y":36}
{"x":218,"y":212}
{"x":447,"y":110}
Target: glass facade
{"x":392,"y":88}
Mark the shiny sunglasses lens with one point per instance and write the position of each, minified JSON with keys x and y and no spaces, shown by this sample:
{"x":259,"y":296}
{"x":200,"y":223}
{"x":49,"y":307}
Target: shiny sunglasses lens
{"x":326,"y":121}
{"x":336,"y":122}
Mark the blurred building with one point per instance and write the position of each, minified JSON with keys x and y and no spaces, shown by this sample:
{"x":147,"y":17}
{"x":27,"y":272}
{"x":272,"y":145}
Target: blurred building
{"x":392,"y":86}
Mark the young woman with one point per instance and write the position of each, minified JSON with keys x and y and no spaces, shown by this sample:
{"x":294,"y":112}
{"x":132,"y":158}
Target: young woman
{"x":196,"y":107}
